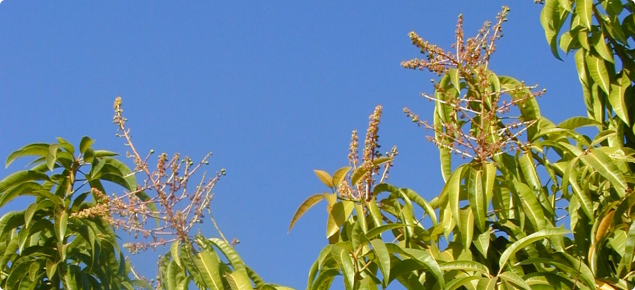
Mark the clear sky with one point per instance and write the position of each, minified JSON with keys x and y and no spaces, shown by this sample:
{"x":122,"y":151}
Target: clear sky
{"x":273,"y":88}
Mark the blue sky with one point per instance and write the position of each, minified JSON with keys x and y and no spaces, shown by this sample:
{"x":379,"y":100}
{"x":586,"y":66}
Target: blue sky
{"x":273,"y":88}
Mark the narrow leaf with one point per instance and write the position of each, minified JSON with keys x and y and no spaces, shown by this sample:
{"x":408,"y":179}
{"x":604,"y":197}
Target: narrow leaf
{"x":522,"y":243}
{"x":305,"y":206}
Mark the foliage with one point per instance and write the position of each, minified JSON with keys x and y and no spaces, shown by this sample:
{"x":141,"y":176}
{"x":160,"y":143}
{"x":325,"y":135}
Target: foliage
{"x":61,"y":239}
{"x":537,"y":205}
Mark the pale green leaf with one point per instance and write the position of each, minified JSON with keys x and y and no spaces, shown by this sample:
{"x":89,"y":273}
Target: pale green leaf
{"x":324,"y":177}
{"x":605,"y":166}
{"x":551,"y":21}
{"x":584,"y":10}
{"x":174,"y":250}
{"x":338,"y":215}
{"x":340,"y":175}
{"x":345,"y":262}
{"x":454,"y":78}
{"x":305,"y":206}
{"x":598,"y":71}
{"x":225,"y":248}
{"x":383,"y":257}
{"x":617,"y":97}
{"x":425,"y":259}
{"x":238,"y":280}
{"x":627,"y":259}
{"x":452,"y":190}
{"x":477,"y":198}
{"x":531,"y":206}
{"x":510,"y":276}
{"x":61,"y":222}
{"x":577,"y":122}
{"x":526,"y":241}
{"x":207,"y":263}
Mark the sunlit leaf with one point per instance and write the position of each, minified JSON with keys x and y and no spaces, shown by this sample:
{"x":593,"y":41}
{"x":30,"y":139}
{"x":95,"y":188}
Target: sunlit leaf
{"x":304,"y":207}
{"x":381,"y":253}
{"x":598,"y":71}
{"x":239,"y":280}
{"x":35,"y":149}
{"x":524,"y":242}
{"x":607,"y":168}
{"x":340,"y":175}
{"x":324,"y":177}
{"x":338,"y":215}
{"x":346,"y":265}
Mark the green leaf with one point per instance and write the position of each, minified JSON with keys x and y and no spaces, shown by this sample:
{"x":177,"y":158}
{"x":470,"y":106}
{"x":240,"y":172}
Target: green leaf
{"x":510,"y":276}
{"x":452,"y":190}
{"x":174,"y":250}
{"x":584,"y":10}
{"x":604,"y":165}
{"x":239,"y":280}
{"x":35,"y":149}
{"x":477,"y":198}
{"x":340,"y":175}
{"x":345,"y":262}
{"x":617,"y":97}
{"x":457,"y":283}
{"x":467,"y":266}
{"x":629,"y":248}
{"x":425,"y":259}
{"x":598,"y":41}
{"x":551,"y":21}
{"x":383,"y":257}
{"x":61,"y":222}
{"x":324,"y":177}
{"x":526,"y":241}
{"x":84,"y":144}
{"x":598,"y":71}
{"x":207,"y":263}
{"x":380,"y":229}
{"x":304,"y":207}
{"x":21,"y":177}
{"x":531,"y":207}
{"x":454,"y":78}
{"x":324,"y":279}
{"x":577,"y":122}
{"x":338,"y":215}
{"x":225,"y":248}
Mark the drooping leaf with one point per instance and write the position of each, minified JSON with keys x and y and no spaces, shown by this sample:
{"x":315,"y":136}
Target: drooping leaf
{"x":477,"y":198}
{"x":345,"y":262}
{"x":225,"y":248}
{"x":597,"y":70}
{"x":304,"y":207}
{"x":551,"y":21}
{"x":512,"y":277}
{"x":603,"y":164}
{"x":383,"y":257}
{"x":35,"y":149}
{"x":524,"y":242}
{"x":584,"y":10}
{"x":577,"y":122}
{"x":629,"y":248}
{"x":530,"y":205}
{"x":207,"y":263}
{"x":239,"y":280}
